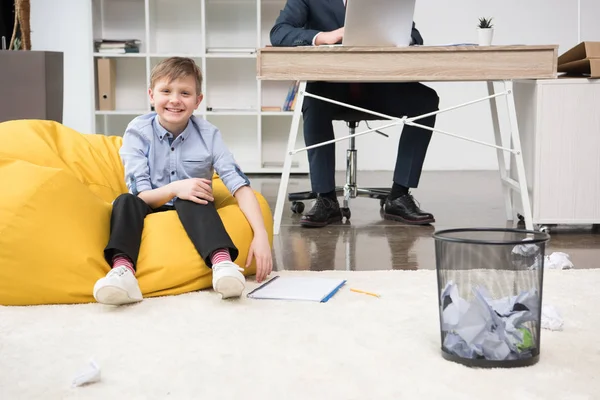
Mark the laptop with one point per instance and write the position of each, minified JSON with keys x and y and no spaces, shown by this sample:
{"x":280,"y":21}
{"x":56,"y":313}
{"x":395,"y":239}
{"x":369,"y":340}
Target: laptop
{"x":383,"y":23}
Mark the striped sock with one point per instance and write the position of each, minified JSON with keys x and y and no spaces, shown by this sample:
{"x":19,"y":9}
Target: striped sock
{"x":122,"y":260}
{"x":219,"y":256}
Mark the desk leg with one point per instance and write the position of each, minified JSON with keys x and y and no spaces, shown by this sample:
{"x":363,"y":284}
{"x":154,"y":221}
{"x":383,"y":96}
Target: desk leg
{"x":516,"y":139}
{"x":287,"y":165}
{"x":500,"y":153}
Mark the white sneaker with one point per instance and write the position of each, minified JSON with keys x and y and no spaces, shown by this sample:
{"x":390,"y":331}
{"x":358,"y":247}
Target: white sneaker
{"x":118,"y":287}
{"x":228,"y":279}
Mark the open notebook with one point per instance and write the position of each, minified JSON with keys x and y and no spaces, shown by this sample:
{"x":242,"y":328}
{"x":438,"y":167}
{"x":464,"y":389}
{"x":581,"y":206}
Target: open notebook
{"x":298,"y":288}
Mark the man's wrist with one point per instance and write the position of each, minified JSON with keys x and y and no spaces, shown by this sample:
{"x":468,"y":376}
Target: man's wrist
{"x":314,"y":41}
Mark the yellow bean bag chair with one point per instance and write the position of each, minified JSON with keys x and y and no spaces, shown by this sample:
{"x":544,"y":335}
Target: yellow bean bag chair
{"x":57,"y":186}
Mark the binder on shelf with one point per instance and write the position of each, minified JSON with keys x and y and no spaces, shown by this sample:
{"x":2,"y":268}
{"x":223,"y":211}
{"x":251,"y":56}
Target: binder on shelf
{"x":107,"y":80}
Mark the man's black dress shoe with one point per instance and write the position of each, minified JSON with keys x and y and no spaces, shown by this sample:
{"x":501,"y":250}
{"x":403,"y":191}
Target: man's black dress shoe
{"x":404,"y":209}
{"x":325,"y":211}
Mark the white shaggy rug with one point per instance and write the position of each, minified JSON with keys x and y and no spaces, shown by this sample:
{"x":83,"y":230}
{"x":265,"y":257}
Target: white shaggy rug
{"x":195,"y":346}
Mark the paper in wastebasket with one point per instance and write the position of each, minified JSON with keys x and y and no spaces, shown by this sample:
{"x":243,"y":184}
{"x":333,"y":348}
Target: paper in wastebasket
{"x":526,"y":249}
{"x":485,"y":327}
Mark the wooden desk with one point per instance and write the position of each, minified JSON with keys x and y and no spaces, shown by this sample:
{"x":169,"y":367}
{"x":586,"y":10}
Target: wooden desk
{"x":410,"y":64}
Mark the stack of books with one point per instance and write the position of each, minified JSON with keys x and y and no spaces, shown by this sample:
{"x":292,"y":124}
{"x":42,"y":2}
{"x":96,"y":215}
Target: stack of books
{"x":116,"y":46}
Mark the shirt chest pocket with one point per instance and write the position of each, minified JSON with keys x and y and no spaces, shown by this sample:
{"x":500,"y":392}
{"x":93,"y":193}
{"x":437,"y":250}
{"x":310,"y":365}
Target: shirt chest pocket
{"x":197,"y":168}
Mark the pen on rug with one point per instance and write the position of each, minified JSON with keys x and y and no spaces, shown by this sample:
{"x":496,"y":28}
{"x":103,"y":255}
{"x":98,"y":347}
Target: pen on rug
{"x":363,"y":292}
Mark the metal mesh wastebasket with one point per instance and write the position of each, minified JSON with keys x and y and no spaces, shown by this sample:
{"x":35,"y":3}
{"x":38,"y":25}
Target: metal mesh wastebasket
{"x":490,"y":295}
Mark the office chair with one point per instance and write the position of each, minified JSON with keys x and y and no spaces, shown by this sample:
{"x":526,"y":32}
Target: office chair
{"x":350,"y":190}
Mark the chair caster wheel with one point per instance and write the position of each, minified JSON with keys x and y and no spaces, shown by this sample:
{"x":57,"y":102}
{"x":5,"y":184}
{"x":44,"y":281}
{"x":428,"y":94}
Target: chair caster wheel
{"x":297,"y":207}
{"x":381,"y":202}
{"x":521,"y":218}
{"x":346,"y":213}
{"x":545,"y":228}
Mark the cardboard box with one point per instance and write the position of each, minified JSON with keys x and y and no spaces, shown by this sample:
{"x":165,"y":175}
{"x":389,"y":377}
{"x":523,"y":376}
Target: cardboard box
{"x":583,"y":59}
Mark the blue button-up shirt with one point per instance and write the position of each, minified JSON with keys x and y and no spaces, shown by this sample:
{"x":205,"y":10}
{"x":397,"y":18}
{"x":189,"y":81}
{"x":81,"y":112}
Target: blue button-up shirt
{"x":152,"y":158}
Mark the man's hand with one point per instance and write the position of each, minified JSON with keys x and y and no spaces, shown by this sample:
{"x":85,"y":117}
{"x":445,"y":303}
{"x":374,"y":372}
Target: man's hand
{"x":332,"y":37}
{"x":260,"y":249}
{"x":197,"y":190}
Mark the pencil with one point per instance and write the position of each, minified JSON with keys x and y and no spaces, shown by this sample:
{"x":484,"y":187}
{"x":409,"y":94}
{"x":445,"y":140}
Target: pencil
{"x":363,"y":292}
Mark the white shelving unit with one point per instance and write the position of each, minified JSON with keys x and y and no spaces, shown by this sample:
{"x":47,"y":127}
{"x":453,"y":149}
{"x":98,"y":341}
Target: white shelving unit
{"x":222,"y":36}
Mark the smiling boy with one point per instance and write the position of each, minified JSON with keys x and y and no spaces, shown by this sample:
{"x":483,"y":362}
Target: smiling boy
{"x":169,"y":157}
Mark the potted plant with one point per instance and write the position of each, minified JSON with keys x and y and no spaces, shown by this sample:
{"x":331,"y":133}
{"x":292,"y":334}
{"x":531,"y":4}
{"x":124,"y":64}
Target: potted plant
{"x":485,"y":30}
{"x":31,"y":80}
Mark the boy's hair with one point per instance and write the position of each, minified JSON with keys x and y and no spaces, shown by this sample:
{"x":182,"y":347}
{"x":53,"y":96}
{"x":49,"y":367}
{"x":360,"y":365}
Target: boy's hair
{"x":177,"y":67}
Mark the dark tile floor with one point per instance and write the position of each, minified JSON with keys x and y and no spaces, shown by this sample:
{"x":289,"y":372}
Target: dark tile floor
{"x":368,"y":242}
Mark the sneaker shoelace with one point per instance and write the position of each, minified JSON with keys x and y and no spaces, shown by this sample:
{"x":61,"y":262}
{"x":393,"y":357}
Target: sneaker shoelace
{"x":118,"y":271}
{"x":228,"y":265}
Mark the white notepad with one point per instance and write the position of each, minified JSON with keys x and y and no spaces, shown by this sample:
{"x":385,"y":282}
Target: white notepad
{"x":298,"y":288}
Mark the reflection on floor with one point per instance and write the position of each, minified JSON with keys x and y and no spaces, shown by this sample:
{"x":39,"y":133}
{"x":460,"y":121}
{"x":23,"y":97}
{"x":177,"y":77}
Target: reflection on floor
{"x":368,"y":242}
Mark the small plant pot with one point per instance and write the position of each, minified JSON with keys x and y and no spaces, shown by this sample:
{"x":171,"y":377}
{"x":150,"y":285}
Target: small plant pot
{"x":485,"y":36}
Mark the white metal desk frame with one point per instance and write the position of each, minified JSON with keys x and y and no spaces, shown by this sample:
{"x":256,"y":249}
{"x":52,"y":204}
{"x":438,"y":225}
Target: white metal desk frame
{"x":508,"y":184}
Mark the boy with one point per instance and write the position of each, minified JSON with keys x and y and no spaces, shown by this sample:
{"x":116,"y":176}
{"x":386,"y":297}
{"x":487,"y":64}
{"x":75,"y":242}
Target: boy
{"x":169,"y":156}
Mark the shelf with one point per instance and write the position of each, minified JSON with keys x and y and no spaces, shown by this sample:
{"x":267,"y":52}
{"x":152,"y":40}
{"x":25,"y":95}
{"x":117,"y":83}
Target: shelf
{"x":277,"y":113}
{"x":225,"y":54}
{"x":119,"y":19}
{"x":156,"y":58}
{"x":231,"y":24}
{"x":130,"y":86}
{"x":197,"y":56}
{"x":113,"y":126}
{"x":274,"y":136}
{"x":274,"y":93}
{"x":230,"y":53}
{"x":122,"y":112}
{"x":240,"y":135}
{"x":175,"y":26}
{"x":231,"y":84}
{"x":222,"y":37}
{"x":269,"y":11}
{"x":115,"y":55}
{"x":232,"y":112}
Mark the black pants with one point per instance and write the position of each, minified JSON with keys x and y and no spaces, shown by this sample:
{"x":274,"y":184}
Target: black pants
{"x":201,"y":222}
{"x":394,"y":99}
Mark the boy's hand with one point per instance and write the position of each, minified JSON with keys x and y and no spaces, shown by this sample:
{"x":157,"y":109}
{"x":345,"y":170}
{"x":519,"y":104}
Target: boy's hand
{"x":260,"y":249}
{"x":197,"y":190}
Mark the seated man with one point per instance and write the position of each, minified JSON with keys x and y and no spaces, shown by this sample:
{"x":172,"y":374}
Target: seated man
{"x":318,"y":22}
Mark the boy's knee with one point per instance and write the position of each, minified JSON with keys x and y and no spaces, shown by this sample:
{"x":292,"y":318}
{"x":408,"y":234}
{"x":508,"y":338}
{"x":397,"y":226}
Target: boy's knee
{"x":126,"y":198}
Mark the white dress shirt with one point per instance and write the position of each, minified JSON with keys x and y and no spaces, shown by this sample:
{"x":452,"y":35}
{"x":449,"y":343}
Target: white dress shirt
{"x":315,"y":38}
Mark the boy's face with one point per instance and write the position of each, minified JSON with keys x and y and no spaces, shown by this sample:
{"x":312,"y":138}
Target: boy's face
{"x":175,"y":101}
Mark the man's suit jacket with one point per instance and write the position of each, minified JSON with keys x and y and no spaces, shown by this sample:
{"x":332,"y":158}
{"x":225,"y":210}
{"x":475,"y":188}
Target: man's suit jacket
{"x":301,"y":20}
